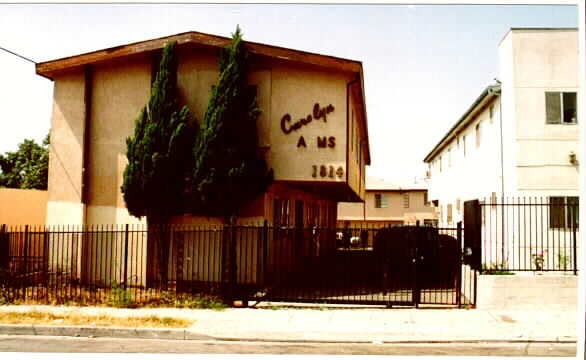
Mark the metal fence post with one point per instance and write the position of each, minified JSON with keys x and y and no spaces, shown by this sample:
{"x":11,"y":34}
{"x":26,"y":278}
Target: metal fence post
{"x":265,"y":250}
{"x":575,"y":249}
{"x":3,"y":247}
{"x":125,"y":256}
{"x":459,"y":272}
{"x":26,"y":251}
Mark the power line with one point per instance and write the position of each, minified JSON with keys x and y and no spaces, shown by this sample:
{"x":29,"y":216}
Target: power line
{"x":20,"y":56}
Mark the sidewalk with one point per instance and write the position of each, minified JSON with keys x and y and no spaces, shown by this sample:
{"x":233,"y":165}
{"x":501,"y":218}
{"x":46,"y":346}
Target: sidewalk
{"x":272,"y":322}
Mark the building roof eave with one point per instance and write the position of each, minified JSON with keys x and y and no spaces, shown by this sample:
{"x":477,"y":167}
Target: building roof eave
{"x":487,"y":94}
{"x":49,"y":68}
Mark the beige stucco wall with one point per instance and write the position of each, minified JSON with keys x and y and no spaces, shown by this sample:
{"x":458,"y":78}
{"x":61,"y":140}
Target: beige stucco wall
{"x":356,"y":145}
{"x":66,"y":150}
{"x":544,"y":61}
{"x":417,"y":210}
{"x":295,"y":90}
{"x":119,"y":90}
{"x":23,"y":207}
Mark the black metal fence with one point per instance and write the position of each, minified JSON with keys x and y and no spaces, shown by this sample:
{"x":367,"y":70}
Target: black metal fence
{"x":530,"y":234}
{"x":98,"y":264}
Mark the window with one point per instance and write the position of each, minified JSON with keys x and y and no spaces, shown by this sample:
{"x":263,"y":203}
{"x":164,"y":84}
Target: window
{"x":449,"y":157}
{"x":478,"y":135}
{"x":464,"y":144}
{"x":457,"y":204}
{"x":449,"y":213}
{"x":406,"y":200}
{"x":425,"y":199}
{"x":440,"y":162}
{"x":563,"y":212}
{"x":491,"y":112}
{"x":560,"y":108}
{"x":281,"y":212}
{"x":380,"y":201}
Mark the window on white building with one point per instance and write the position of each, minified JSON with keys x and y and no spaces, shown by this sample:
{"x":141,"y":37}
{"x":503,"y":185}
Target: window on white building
{"x":464,"y":144}
{"x":449,"y":157}
{"x":491,"y":112}
{"x":406,"y":200}
{"x":560,"y":108}
{"x":449,"y":213}
{"x":425,"y":199}
{"x":381,"y":201}
{"x":477,"y":135}
{"x":563,"y":212}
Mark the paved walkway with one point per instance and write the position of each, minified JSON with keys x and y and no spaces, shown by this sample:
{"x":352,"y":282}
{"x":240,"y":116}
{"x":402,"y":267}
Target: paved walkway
{"x":274,"y":322}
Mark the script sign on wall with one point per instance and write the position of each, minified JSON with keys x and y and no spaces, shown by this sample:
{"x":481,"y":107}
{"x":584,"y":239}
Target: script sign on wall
{"x":318,"y":113}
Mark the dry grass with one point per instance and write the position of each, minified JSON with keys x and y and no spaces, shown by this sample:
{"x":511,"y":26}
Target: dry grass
{"x":41,"y":318}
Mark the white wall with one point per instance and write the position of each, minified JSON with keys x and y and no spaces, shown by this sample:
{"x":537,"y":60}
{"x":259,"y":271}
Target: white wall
{"x":473,"y":175}
{"x":535,"y":154}
{"x":544,"y":61}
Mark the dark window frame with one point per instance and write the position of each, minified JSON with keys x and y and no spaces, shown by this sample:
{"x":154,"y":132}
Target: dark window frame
{"x":564,"y":212}
{"x":561,"y":108}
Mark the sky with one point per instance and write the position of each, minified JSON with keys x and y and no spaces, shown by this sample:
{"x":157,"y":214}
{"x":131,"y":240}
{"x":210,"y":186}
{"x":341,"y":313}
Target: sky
{"x":424,"y":65}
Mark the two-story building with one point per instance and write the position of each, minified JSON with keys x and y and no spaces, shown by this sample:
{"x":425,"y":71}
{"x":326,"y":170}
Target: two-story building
{"x":312,"y":128}
{"x":520,"y":136}
{"x":312,"y":131}
{"x":516,"y":150}
{"x":386,"y":204}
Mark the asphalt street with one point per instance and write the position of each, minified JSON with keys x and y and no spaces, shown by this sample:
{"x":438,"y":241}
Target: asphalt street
{"x":56,"y":344}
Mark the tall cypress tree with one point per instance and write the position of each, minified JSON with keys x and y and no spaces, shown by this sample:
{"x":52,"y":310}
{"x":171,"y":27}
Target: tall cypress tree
{"x":159,"y":152}
{"x":159,"y":159}
{"x":229,"y":171}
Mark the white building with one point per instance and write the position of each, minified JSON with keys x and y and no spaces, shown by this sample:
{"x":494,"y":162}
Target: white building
{"x":520,"y":136}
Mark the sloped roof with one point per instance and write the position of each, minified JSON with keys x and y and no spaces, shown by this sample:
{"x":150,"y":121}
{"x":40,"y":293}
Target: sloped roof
{"x":50,"y":68}
{"x":373,"y":184}
{"x":487,"y":94}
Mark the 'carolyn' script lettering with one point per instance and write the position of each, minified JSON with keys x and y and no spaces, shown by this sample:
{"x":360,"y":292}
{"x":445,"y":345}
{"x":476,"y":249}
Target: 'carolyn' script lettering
{"x":318,"y":113}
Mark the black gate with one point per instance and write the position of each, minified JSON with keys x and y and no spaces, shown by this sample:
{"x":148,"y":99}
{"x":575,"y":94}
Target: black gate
{"x":400,"y":265}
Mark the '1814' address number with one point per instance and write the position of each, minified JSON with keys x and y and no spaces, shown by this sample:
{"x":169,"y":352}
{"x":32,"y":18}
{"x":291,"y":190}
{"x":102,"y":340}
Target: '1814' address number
{"x":327,"y":171}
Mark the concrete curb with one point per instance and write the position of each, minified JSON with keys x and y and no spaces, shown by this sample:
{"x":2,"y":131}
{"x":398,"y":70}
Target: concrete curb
{"x":185,"y":334}
{"x":102,"y":331}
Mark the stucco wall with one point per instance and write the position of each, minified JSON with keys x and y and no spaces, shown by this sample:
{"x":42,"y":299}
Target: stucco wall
{"x":468,"y":171}
{"x":66,"y":150}
{"x":295,"y":90}
{"x":544,"y":61}
{"x":356,"y":145}
{"x":23,"y":207}
{"x":535,"y":160}
{"x":119,"y":89}
{"x":417,"y":210}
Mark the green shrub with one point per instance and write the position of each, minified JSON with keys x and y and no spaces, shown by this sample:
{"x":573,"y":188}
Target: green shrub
{"x":494,"y":269}
{"x":120,"y":297}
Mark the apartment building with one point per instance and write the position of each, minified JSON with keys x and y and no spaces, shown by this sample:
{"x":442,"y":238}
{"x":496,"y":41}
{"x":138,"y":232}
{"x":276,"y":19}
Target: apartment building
{"x":519,"y":138}
{"x":388,"y":203}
